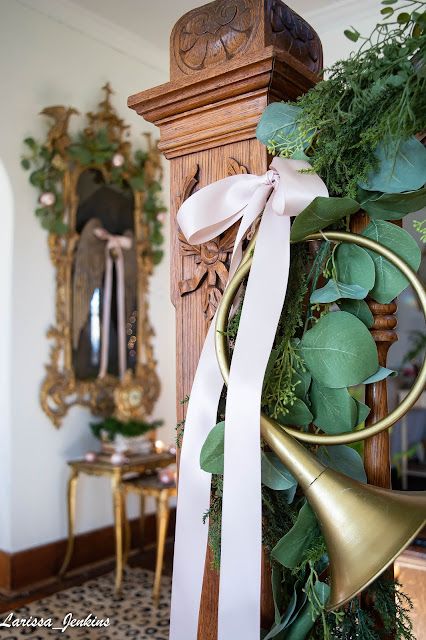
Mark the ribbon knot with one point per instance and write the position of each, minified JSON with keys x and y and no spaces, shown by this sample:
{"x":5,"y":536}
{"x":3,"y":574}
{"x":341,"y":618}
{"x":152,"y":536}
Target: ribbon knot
{"x":277,"y":195}
{"x":271,"y":177}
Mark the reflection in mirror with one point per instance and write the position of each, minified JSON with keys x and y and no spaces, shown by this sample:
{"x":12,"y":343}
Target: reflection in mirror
{"x":110,"y":209}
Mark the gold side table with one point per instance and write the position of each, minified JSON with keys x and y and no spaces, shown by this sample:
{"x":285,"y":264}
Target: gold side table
{"x":152,"y":487}
{"x":118,"y":473}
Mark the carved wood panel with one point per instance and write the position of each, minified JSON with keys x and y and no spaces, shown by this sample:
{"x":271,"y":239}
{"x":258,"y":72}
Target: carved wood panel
{"x":191,"y":320}
{"x":212,"y":258}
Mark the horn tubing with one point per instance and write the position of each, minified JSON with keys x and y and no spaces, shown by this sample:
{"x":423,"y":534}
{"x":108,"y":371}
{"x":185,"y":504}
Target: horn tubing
{"x":222,"y":351}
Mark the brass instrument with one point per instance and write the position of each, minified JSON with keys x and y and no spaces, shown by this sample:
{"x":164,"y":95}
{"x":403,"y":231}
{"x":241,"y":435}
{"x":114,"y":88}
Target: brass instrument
{"x":365,"y":527}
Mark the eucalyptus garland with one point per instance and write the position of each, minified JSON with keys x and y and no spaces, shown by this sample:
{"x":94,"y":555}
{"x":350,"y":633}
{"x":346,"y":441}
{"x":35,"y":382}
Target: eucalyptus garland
{"x":360,"y":130}
{"x":92,"y":149}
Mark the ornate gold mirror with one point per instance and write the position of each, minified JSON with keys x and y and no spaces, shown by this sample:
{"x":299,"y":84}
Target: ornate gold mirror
{"x":99,"y":202}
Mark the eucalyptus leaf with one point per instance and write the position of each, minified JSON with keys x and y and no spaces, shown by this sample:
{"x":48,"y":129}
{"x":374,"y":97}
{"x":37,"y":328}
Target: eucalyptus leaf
{"x":297,"y":601}
{"x":277,"y":594}
{"x":319,"y":214}
{"x":334,"y":410}
{"x":354,"y":266}
{"x":343,"y":459}
{"x":301,"y":380}
{"x":401,"y":167}
{"x":392,"y":206}
{"x":279,"y":120}
{"x":381,"y":374}
{"x":274,"y":473}
{"x":212,"y":452}
{"x":282,"y":621}
{"x":290,"y":548}
{"x":305,"y":621}
{"x":299,"y":154}
{"x":389,"y":280}
{"x":358,"y":308}
{"x":362,"y":412}
{"x":298,"y":414}
{"x":339,"y":350}
{"x":335,"y":290}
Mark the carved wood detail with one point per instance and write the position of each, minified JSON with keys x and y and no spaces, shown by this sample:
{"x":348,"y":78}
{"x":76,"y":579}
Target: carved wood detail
{"x":295,"y":35}
{"x":211,"y":259}
{"x":213,"y":34}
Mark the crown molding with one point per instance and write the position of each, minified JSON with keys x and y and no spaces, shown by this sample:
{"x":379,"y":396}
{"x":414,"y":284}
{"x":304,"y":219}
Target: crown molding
{"x":341,"y":14}
{"x":102,"y":30}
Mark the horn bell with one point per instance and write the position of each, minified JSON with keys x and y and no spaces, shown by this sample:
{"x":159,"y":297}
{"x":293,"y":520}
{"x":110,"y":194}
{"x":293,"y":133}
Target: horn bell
{"x":365,"y":529}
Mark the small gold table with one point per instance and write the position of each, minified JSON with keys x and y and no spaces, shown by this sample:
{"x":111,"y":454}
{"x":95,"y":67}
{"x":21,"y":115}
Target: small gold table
{"x":152,"y":487}
{"x":118,"y":473}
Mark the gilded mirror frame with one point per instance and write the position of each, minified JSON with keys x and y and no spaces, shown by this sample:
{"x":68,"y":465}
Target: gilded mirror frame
{"x":133,"y":397}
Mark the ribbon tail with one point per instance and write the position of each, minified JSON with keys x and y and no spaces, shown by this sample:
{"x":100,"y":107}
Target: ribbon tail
{"x":106,"y":316}
{"x":121,"y":314}
{"x":241,"y":545}
{"x":194,"y":497}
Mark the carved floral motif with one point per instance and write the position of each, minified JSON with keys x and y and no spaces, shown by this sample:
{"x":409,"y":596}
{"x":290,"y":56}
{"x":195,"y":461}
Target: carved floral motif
{"x":213,"y":34}
{"x":291,"y":33}
{"x":211,"y":258}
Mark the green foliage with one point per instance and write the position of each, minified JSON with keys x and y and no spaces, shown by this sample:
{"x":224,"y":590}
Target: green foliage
{"x":391,"y":206}
{"x":335,"y":290}
{"x":400,"y":166}
{"x":381,"y":374}
{"x":389,"y":280}
{"x":290,"y":549}
{"x":276,"y":476}
{"x":111,"y":427}
{"x":355,"y":128}
{"x":212,"y":452}
{"x":335,"y":410}
{"x":297,"y":413}
{"x":214,"y":514}
{"x":358,"y":308}
{"x":93,"y":150}
{"x":319,"y":214}
{"x":353,"y":264}
{"x":390,"y":604}
{"x":420,"y":227}
{"x":286,"y":369}
{"x":376,"y":95}
{"x":278,"y":125}
{"x":343,"y":459}
{"x":339,"y":350}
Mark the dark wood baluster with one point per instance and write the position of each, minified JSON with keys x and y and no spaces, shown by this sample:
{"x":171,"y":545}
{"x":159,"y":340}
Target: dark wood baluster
{"x":377,"y":449}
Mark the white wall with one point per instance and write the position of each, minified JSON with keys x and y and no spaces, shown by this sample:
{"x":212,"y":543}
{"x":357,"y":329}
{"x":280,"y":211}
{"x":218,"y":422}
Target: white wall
{"x":43,"y":62}
{"x":6,"y":258}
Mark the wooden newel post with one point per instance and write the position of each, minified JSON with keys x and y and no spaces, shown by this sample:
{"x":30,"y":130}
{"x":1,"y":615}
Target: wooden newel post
{"x":228,"y":59}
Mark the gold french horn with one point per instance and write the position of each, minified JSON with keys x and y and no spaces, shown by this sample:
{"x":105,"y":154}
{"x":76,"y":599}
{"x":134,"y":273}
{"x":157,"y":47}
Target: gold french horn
{"x":365,"y":527}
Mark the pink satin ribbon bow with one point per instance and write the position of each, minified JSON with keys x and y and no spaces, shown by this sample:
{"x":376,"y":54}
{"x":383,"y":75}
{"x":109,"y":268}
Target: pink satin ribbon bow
{"x":113,"y":253}
{"x":281,"y":193}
